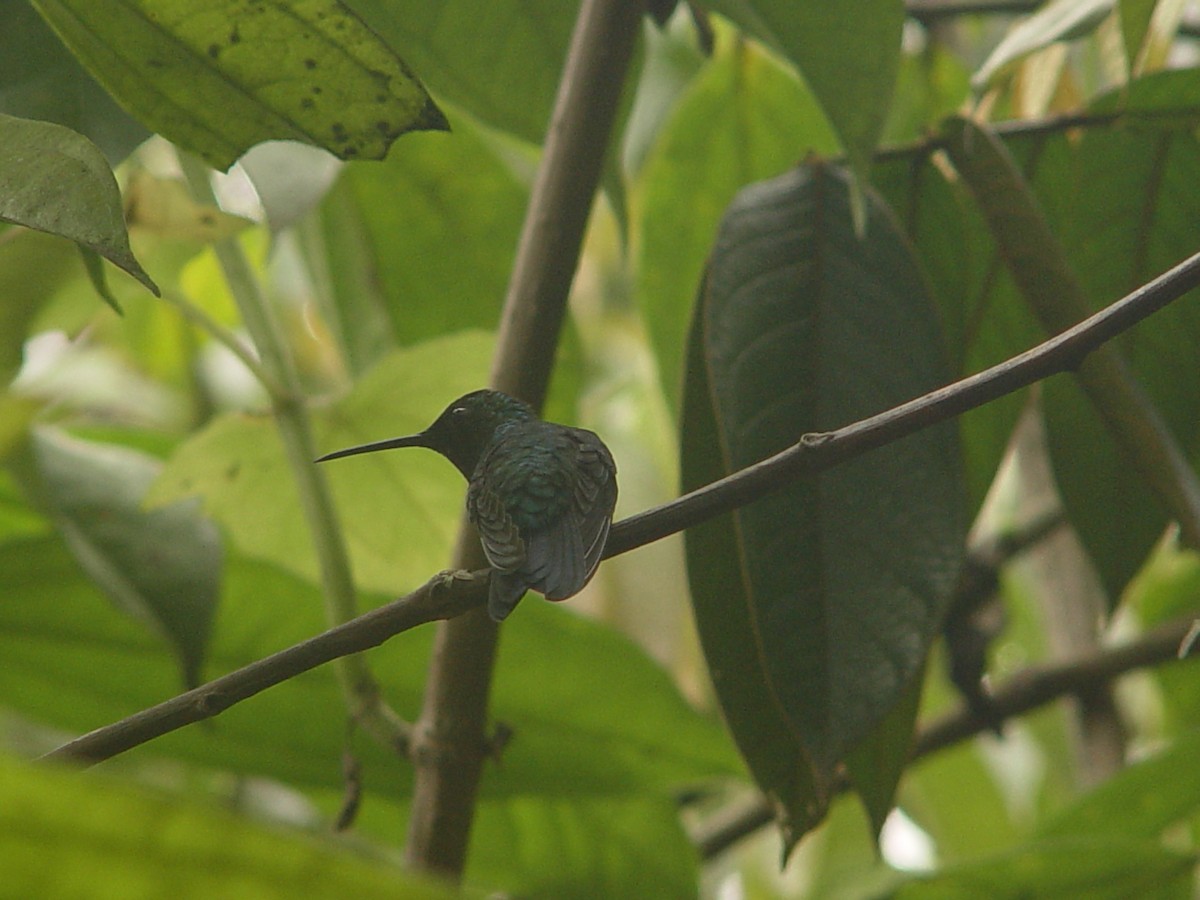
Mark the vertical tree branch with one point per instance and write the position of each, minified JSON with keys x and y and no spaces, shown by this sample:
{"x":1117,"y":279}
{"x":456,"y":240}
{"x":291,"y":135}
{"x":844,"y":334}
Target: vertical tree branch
{"x":449,"y":743}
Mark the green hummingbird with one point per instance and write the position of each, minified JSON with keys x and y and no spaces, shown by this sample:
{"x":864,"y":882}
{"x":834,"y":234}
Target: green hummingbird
{"x":540,"y":494}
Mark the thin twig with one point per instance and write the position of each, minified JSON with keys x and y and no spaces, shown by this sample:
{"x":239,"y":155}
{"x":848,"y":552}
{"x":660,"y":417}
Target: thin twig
{"x":432,"y":601}
{"x":813,"y":453}
{"x":226,"y":339}
{"x":1027,"y":690}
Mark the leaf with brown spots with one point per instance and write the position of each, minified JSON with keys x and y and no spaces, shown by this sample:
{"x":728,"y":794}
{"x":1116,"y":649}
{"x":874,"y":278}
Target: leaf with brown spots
{"x":219,"y":76}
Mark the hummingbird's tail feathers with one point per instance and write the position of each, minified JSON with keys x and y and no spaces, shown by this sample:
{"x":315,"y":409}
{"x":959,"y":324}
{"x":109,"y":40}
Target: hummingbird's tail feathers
{"x":504,"y":593}
{"x":554,"y":564}
{"x":594,"y":523}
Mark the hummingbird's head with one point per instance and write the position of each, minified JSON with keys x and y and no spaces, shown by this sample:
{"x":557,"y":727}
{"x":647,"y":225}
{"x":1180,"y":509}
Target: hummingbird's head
{"x":461,"y":433}
{"x":468,"y":425}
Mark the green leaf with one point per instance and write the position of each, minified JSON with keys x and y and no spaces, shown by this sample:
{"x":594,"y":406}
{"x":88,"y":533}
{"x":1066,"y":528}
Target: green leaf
{"x":40,"y":79}
{"x":847,"y":573}
{"x":848,"y":52}
{"x":163,"y":566}
{"x":875,"y":766}
{"x":582,"y":848}
{"x":591,"y":713}
{"x":95,"y":273}
{"x":1148,"y":211}
{"x":33,"y":265}
{"x":55,"y":180}
{"x":770,"y":745}
{"x":400,"y":511}
{"x":1135,"y":25}
{"x":983,"y":316}
{"x":744,"y":118}
{"x":950,"y":793}
{"x":1059,"y":20}
{"x":1166,"y":99}
{"x":501,"y":64}
{"x":1140,"y":801}
{"x":1039,"y":263}
{"x":432,"y":231}
{"x":584,"y":793}
{"x":1167,"y":589}
{"x":218,"y":77}
{"x":930,"y":86}
{"x":134,"y":842}
{"x":1067,"y":868}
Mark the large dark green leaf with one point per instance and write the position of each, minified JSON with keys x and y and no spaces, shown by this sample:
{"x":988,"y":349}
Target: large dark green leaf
{"x":771,"y":746}
{"x":218,"y":77}
{"x":847,"y":573}
{"x":874,"y":767}
{"x":56,"y":180}
{"x":1143,"y":222}
{"x":162,"y":566}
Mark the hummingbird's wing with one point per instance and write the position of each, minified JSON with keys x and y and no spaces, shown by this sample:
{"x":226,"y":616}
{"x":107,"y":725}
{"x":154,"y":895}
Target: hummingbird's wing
{"x":502,"y":545}
{"x":595,"y":498}
{"x":562,"y":555}
{"x":498,"y":530}
{"x":544,"y":517}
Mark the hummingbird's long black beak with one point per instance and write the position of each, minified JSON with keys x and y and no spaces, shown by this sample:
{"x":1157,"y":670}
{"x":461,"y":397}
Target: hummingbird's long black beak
{"x":411,"y":440}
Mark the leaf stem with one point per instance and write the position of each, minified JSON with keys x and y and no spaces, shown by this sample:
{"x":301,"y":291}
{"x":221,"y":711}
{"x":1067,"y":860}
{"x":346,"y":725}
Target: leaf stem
{"x":226,"y":339}
{"x":363,"y":697}
{"x":1027,"y":690}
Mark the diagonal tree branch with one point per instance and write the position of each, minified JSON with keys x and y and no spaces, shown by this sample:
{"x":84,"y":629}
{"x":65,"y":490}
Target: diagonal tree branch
{"x":447,"y":596}
{"x":1061,"y":353}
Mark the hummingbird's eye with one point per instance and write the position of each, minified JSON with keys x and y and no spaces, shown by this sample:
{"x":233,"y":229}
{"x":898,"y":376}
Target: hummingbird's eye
{"x":458,"y":411}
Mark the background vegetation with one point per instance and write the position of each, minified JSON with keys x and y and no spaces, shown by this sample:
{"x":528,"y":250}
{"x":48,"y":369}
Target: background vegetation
{"x":806,"y":215}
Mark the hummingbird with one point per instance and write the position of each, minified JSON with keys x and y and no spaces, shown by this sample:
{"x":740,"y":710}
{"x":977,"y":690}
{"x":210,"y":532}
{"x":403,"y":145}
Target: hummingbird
{"x":541,"y":495}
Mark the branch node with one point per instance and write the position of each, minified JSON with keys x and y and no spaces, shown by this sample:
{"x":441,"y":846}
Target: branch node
{"x":813,"y":441}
